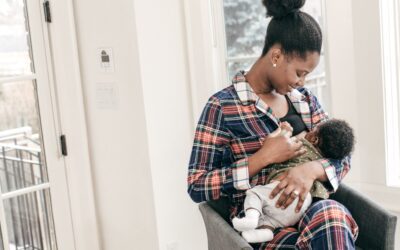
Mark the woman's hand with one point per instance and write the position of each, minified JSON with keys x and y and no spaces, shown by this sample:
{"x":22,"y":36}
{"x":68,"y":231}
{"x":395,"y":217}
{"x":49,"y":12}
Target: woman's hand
{"x":278,"y":147}
{"x":296,"y":180}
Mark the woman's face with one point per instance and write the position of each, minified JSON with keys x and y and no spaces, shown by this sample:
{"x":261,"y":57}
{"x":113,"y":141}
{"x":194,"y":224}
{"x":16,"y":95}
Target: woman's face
{"x":290,"y":71}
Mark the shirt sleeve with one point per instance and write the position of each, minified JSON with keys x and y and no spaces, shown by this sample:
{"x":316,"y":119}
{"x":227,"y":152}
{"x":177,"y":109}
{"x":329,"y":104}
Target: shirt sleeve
{"x":207,"y":178}
{"x":334,"y":169}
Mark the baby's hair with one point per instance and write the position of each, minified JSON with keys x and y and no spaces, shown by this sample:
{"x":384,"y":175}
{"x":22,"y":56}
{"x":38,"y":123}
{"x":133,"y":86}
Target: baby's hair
{"x":336,"y":139}
{"x":296,"y":31}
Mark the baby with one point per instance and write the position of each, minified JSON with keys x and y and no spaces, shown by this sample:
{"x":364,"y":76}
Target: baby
{"x":332,"y":139}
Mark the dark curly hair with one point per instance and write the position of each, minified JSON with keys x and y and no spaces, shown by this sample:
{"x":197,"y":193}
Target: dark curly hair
{"x":296,"y":31}
{"x":335,"y":139}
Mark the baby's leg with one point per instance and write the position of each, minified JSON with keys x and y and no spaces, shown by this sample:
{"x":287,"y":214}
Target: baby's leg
{"x":253,"y":208}
{"x":258,"y":235}
{"x":250,"y":221}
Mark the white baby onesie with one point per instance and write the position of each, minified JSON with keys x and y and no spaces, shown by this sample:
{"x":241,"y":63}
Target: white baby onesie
{"x":261,"y":211}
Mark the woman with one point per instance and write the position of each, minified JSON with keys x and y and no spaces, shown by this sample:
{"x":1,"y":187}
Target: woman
{"x":232,"y":147}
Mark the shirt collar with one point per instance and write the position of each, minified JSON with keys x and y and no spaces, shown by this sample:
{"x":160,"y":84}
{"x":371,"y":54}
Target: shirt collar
{"x":247,"y":95}
{"x":243,"y":89}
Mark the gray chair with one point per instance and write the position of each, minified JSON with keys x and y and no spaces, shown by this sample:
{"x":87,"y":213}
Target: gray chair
{"x":377,"y":226}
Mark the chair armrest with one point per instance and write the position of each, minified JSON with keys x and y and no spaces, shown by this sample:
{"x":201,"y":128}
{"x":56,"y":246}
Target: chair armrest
{"x":220,"y":235}
{"x":376,"y":226}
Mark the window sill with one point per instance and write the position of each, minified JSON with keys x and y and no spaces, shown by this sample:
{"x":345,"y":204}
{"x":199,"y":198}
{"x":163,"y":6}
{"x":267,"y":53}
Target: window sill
{"x":387,"y":197}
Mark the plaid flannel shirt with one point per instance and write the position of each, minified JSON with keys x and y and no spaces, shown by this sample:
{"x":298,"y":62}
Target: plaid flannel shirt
{"x":231,"y":128}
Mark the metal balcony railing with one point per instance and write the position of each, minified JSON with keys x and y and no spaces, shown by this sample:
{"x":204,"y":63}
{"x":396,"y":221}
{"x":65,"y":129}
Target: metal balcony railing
{"x":21,"y":166}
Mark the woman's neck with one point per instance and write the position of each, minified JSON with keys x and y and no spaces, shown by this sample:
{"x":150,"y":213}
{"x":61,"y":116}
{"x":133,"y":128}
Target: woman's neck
{"x":257,"y":78}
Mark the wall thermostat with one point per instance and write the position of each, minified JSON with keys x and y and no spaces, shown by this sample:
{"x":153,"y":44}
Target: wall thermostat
{"x":106,"y":60}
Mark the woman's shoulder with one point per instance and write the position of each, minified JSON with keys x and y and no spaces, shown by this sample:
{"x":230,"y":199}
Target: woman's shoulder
{"x":226,"y":95}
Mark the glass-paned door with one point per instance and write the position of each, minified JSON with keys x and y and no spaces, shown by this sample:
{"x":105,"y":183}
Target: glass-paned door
{"x":34,"y":210}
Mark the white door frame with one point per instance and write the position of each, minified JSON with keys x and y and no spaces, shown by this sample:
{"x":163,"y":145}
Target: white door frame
{"x":55,"y":164}
{"x":71,"y":113}
{"x":50,"y":127}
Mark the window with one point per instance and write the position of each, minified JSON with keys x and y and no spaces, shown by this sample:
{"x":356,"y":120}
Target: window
{"x":390,"y":25}
{"x":245,"y":26}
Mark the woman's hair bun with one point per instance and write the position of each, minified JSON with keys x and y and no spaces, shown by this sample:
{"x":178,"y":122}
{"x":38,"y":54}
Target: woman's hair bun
{"x":281,"y":8}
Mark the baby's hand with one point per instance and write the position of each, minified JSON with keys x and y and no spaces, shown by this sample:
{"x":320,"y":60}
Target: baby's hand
{"x":286,"y":129}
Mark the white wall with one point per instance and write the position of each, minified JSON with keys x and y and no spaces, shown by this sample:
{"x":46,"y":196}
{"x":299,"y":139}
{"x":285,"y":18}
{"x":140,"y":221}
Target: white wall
{"x":370,"y":110}
{"x":367,"y":51}
{"x":165,"y":77}
{"x":117,"y":137}
{"x":341,"y":71}
{"x":140,"y":150}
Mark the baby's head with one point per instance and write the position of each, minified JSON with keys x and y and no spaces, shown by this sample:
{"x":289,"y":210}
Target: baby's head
{"x":334,"y":138}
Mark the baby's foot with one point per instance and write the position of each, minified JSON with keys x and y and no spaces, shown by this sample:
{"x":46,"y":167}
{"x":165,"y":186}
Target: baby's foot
{"x":258,"y":235}
{"x":245,"y":223}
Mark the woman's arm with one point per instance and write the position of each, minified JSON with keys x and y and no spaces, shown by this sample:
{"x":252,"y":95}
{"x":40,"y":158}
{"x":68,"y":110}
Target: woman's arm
{"x":207,"y":178}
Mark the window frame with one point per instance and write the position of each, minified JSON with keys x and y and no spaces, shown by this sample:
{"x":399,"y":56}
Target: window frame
{"x":390,"y":42}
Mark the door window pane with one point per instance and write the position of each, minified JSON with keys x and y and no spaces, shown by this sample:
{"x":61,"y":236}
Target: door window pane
{"x":22,"y":162}
{"x":15,"y":58}
{"x":29,"y":221}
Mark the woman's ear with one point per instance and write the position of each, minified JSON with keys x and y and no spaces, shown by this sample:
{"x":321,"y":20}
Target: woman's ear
{"x":276,"y":56}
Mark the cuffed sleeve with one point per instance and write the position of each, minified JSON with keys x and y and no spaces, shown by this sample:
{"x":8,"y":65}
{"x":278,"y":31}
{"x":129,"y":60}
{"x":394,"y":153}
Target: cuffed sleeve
{"x":333,"y":182}
{"x":241,"y":174}
{"x":335,"y":171}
